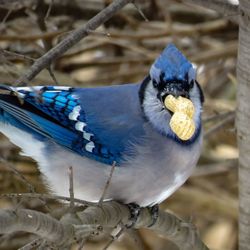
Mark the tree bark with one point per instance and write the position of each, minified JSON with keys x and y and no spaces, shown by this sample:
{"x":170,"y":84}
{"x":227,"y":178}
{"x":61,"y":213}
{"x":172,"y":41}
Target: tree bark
{"x":243,"y":124}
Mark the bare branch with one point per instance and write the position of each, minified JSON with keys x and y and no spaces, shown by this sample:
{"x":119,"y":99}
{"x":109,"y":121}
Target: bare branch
{"x":141,"y":12}
{"x":33,"y":244}
{"x":37,"y":223}
{"x":71,"y":188}
{"x":46,"y":197}
{"x":108,"y":216}
{"x":225,"y":7}
{"x":16,"y":56}
{"x":167,"y":224}
{"x":17,"y":173}
{"x":229,"y":118}
{"x":215,"y":168}
{"x":72,"y":39}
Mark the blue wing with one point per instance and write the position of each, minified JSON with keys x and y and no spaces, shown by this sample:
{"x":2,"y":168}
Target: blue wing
{"x":99,"y":123}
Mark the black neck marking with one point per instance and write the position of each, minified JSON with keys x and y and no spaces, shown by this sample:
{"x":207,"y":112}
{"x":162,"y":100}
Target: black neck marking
{"x":202,"y":98}
{"x":142,"y":89}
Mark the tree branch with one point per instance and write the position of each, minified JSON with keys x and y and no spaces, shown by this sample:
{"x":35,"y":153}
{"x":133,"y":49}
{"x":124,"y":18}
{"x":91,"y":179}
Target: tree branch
{"x":242,"y":122}
{"x":37,"y":223}
{"x":73,"y":38}
{"x":225,"y":7}
{"x":106,"y":217}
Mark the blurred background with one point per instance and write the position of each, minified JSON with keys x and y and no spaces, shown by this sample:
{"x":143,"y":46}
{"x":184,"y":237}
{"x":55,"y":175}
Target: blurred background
{"x":121,"y":51}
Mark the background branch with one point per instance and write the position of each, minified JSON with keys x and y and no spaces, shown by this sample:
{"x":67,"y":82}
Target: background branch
{"x":225,"y":7}
{"x":74,"y":37}
{"x":204,"y":36}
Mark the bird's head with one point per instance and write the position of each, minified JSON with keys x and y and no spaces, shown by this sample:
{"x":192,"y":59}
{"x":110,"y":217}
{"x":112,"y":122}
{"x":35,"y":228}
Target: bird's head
{"x":170,"y":74}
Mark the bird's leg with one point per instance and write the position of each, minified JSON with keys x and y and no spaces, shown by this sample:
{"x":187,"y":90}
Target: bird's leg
{"x":154,"y":212}
{"x":134,"y":214}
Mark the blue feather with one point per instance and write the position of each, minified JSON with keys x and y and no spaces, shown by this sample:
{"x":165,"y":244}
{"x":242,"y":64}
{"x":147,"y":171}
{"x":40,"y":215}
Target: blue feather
{"x":48,"y":110}
{"x":172,"y":65}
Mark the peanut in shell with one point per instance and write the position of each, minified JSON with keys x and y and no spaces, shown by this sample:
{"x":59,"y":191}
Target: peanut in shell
{"x":181,"y":122}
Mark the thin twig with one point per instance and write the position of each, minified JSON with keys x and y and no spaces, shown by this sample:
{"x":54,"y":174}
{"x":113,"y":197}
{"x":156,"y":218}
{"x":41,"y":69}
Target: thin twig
{"x":33,"y":244}
{"x":73,"y":38}
{"x":31,"y":188}
{"x":107,"y":184}
{"x":202,"y":28}
{"x":220,"y":125}
{"x":71,"y":188}
{"x":100,"y":33}
{"x":33,"y":37}
{"x":48,"y":11}
{"x":225,"y":7}
{"x":6,"y":17}
{"x":140,"y":12}
{"x":13,"y":169}
{"x":217,"y":116}
{"x":47,"y":197}
{"x":51,"y":73}
{"x":81,"y":244}
{"x":115,"y":237}
{"x":41,"y":21}
{"x":215,"y":168}
{"x":16,"y":56}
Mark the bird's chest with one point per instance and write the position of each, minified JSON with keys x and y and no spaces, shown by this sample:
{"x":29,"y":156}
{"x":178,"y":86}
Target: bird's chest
{"x":165,"y":154}
{"x":160,"y":167}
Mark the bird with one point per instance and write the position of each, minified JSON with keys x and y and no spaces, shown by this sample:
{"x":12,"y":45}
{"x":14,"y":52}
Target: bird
{"x":92,"y":129}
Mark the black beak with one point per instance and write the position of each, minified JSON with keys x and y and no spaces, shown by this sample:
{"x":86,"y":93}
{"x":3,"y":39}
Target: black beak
{"x":173,"y":89}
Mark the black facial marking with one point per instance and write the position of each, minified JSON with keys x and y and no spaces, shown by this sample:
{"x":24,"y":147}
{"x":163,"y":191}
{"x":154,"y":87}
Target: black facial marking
{"x":202,"y":98}
{"x":161,"y":84}
{"x":144,"y":84}
{"x":175,"y":86}
{"x":155,"y":84}
{"x":191,"y":84}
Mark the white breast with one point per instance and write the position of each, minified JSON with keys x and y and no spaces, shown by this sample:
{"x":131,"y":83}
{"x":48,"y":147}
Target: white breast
{"x":159,"y":168}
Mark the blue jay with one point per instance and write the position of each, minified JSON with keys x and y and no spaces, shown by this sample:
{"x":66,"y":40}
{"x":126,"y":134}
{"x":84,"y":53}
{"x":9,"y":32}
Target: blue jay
{"x":90,"y":129}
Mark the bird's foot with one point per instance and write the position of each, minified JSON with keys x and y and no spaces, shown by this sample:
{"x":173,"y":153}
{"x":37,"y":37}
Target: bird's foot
{"x":154,"y":212}
{"x":134,"y":214}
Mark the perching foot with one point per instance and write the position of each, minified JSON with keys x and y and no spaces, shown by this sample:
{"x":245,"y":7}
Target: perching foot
{"x":134,"y":214}
{"x":154,"y":212}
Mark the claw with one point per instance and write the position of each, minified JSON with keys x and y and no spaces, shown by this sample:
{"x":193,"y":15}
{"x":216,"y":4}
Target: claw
{"x":154,"y":212}
{"x":134,"y":214}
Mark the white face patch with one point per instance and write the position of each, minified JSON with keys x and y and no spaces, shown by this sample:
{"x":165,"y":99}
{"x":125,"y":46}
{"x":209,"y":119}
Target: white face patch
{"x":158,"y":116}
{"x":191,"y":74}
{"x":155,"y":111}
{"x":155,"y":73}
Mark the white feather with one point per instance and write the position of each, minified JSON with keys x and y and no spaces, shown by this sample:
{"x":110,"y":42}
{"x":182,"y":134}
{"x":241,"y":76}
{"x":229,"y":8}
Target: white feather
{"x":75,"y":113}
{"x":149,"y":178}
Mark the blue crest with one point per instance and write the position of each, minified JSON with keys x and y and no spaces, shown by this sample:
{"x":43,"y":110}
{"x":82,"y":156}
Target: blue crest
{"x":172,"y":65}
